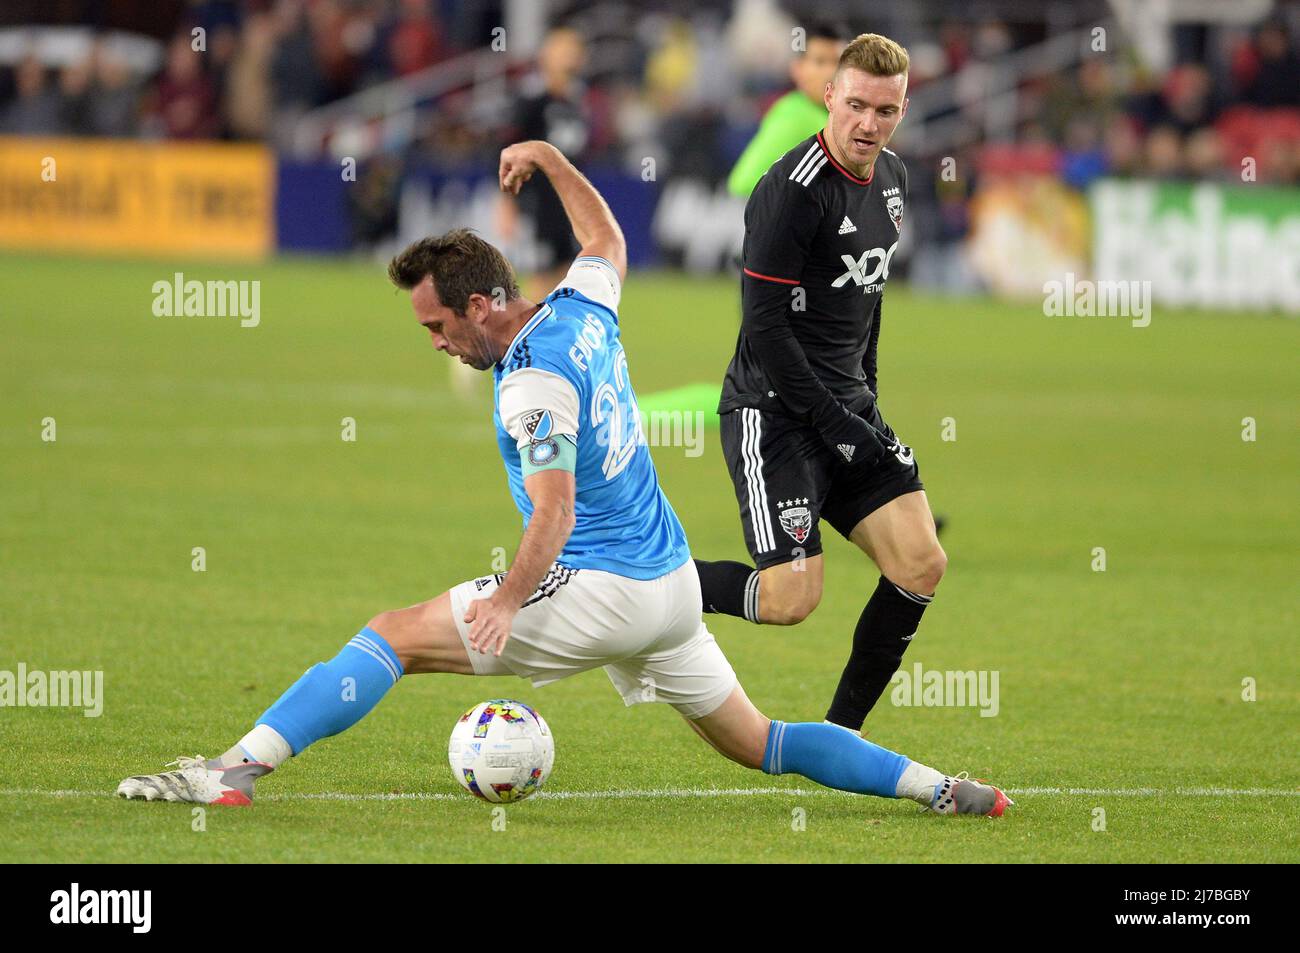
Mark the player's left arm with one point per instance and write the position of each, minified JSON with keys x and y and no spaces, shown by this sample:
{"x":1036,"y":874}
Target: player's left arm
{"x":593,"y":224}
{"x":540,"y":409}
{"x":869,"y":356}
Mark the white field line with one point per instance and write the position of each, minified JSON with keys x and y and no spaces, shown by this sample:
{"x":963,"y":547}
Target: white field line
{"x":699,"y":793}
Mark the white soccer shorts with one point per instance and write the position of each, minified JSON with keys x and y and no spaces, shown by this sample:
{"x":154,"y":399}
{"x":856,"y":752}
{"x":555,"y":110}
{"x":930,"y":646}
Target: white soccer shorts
{"x":648,"y":635}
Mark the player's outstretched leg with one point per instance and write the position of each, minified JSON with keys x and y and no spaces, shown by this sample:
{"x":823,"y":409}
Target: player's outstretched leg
{"x":329,"y":698}
{"x":840,"y":759}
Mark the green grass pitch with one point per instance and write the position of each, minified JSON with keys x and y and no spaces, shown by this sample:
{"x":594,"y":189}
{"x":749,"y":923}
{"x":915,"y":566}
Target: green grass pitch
{"x":1120,"y":690}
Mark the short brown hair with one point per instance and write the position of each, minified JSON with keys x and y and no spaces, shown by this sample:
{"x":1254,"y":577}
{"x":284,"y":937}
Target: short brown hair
{"x":461,"y":263}
{"x":874,"y":54}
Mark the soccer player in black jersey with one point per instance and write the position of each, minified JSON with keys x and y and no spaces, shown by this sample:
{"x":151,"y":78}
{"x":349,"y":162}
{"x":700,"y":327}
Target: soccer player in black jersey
{"x":801,"y":426}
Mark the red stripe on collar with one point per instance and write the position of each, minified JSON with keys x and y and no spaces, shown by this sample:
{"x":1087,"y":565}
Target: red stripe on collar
{"x":843,"y":171}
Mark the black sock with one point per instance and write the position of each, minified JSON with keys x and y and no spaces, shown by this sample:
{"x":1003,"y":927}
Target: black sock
{"x":729,"y":587}
{"x":884,"y":632}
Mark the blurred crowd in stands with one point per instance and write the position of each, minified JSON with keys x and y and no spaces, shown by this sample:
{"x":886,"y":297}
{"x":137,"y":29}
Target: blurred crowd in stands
{"x":254,"y":64}
{"x":658,"y":81}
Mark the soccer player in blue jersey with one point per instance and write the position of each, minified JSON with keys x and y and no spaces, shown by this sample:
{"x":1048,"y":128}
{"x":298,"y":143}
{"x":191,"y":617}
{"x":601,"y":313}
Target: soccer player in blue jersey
{"x":602,"y":577}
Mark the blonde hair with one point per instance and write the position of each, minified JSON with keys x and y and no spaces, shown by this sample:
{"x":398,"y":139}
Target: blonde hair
{"x":874,"y":54}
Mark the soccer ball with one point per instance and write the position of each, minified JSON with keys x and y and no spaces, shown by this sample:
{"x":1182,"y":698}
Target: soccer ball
{"x":501,"y":750}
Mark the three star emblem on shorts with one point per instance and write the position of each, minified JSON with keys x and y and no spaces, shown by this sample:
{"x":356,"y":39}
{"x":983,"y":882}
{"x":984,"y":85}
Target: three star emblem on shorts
{"x":783,"y":504}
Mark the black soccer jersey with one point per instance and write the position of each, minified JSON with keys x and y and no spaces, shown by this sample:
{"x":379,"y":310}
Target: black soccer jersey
{"x":562,"y":122}
{"x":817,"y":250}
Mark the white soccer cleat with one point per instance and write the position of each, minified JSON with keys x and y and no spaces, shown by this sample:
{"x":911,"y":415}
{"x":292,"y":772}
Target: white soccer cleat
{"x":963,"y":795}
{"x":197,"y":781}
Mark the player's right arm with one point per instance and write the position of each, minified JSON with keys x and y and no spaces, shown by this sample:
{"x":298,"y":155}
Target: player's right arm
{"x":781,"y":221}
{"x":593,"y":224}
{"x":552,"y":492}
{"x":539,"y":408}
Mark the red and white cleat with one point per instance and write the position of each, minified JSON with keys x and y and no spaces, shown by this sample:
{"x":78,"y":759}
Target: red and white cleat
{"x":197,"y":781}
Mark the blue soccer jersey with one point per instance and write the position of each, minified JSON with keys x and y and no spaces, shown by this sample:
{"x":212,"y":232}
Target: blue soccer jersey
{"x":562,"y":390}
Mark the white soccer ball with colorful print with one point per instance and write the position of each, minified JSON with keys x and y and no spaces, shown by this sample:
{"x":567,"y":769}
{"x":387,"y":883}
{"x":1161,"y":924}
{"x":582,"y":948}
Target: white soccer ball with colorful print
{"x":501,"y":751}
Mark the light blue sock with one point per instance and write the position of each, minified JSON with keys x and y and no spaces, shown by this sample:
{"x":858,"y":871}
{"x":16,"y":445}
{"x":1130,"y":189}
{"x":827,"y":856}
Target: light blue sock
{"x":333,"y":696}
{"x":833,"y":756}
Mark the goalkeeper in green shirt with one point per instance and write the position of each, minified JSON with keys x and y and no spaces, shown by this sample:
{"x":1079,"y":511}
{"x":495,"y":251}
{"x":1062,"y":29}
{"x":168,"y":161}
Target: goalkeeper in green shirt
{"x":796,"y":115}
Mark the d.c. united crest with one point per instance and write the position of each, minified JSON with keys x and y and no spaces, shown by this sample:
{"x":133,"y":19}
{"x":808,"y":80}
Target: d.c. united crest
{"x":894,"y":206}
{"x":797,"y":522}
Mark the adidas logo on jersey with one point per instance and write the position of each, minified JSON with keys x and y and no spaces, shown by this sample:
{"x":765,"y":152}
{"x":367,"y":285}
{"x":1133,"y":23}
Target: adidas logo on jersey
{"x":846,"y":226}
{"x":847,"y":449}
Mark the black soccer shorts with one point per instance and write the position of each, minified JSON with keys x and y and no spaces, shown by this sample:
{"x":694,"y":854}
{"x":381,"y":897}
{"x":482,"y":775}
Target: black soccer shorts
{"x":787,"y":480}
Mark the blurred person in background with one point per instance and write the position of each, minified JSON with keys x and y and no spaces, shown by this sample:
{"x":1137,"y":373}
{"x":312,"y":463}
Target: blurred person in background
{"x":37,"y":108}
{"x":1123,"y":148}
{"x":75,"y":95}
{"x":1276,"y":80}
{"x":1203,"y":155}
{"x":297,"y":83}
{"x":551,"y":109}
{"x":414,"y":41}
{"x":1189,"y":99}
{"x":224,"y":43}
{"x":185,"y":104}
{"x":1164,"y":153}
{"x":114,"y":96}
{"x":796,"y":115}
{"x":248,"y":88}
{"x":1089,"y":95}
{"x":338,"y":33}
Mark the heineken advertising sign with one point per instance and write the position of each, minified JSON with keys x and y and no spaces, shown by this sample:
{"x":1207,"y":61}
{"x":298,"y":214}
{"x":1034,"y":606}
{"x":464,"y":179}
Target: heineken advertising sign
{"x":1227,"y":247}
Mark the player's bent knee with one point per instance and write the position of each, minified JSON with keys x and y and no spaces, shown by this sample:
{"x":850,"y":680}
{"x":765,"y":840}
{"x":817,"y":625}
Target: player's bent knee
{"x":424,"y":637}
{"x":923,"y":573}
{"x":386,"y":624}
{"x":788,"y":600}
{"x":935,"y":564}
{"x":395,"y":629}
{"x":405,"y":630}
{"x":790,"y":613}
{"x":787,"y":610}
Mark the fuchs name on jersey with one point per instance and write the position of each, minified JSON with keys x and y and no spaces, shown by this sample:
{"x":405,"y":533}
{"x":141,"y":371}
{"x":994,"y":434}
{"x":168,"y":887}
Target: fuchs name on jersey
{"x":589,"y":340}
